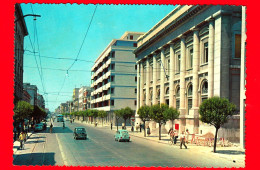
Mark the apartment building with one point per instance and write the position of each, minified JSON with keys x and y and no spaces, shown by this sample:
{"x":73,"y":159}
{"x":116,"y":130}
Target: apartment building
{"x":192,"y":54}
{"x":32,"y":90}
{"x":114,"y":76}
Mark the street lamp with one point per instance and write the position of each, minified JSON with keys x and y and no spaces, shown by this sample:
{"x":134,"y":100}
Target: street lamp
{"x":33,"y":15}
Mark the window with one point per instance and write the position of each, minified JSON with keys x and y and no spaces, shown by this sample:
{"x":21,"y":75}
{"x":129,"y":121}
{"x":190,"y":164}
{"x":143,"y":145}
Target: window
{"x":205,"y":88}
{"x":191,"y":58}
{"x":113,"y":54}
{"x":112,"y":78}
{"x":168,"y":66}
{"x":190,"y":90}
{"x":178,"y":97}
{"x":177,"y":104}
{"x":189,"y":104}
{"x":112,"y":103}
{"x":167,"y":90}
{"x":206,"y":53}
{"x":131,"y":37}
{"x":112,"y":66}
{"x":135,"y":67}
{"x":112,"y":90}
{"x":135,"y":79}
{"x":237,"y":46}
{"x":135,"y":90}
{"x":135,"y":102}
{"x":178,"y":63}
{"x":158,"y":69}
{"x":135,"y":44}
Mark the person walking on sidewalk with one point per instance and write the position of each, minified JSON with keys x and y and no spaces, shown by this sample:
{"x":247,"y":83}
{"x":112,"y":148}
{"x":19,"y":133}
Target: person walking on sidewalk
{"x":51,"y":126}
{"x":22,"y":138}
{"x":182,"y":139}
{"x":187,"y":133}
{"x":148,"y":131}
{"x":175,"y":134}
{"x":111,"y":125}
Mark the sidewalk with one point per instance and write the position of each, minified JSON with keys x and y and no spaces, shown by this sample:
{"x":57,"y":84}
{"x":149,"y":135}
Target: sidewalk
{"x":235,"y":154}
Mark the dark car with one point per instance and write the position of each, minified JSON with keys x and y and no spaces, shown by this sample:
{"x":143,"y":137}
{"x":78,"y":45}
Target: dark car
{"x":80,"y":132}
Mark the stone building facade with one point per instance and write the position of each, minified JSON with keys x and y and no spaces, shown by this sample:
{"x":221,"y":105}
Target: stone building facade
{"x":190,"y":55}
{"x":114,"y":76}
{"x":20,"y":33}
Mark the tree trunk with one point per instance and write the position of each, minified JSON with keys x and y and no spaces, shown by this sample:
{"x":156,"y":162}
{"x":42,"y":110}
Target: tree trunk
{"x":117,"y":124}
{"x":159,"y":131}
{"x":144,"y":129}
{"x":215,"y":141}
{"x":102,"y":121}
{"x":172,"y":123}
{"x":125,"y":124}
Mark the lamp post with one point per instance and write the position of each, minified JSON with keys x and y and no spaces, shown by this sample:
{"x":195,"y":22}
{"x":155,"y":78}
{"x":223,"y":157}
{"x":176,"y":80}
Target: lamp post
{"x":33,"y":15}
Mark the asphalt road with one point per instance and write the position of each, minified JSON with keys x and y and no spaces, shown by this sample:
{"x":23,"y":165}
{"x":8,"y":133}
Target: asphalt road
{"x":100,"y":149}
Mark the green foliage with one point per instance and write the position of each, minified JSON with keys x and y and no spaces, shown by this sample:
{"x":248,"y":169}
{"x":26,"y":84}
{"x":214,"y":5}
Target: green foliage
{"x":22,"y":111}
{"x":118,"y":113}
{"x":171,"y":113}
{"x":126,"y":113}
{"x":94,"y":113}
{"x":216,"y":111}
{"x":102,"y":114}
{"x":158,"y":111}
{"x":144,"y":113}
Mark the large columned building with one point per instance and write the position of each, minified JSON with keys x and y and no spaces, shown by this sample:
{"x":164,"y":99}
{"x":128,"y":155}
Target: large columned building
{"x":190,"y":55}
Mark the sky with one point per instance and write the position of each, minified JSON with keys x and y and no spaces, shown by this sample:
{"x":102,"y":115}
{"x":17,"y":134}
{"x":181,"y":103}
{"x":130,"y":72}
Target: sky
{"x":59,"y":33}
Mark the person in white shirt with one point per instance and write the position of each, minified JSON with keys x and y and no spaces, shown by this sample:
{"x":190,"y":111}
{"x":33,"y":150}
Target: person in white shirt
{"x":182,"y":140}
{"x":187,"y":133}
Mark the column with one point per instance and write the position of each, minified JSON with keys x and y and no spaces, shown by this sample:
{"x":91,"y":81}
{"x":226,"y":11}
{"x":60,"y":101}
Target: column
{"x":141,"y":83}
{"x":147,"y":99}
{"x":172,"y":74}
{"x":182,"y":85}
{"x":162,"y":78}
{"x":138,"y":87}
{"x":154,"y":78}
{"x":195,"y":80}
{"x":211,"y":59}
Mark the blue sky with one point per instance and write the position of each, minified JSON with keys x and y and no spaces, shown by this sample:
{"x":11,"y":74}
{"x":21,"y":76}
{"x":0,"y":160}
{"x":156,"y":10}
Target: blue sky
{"x":60,"y":31}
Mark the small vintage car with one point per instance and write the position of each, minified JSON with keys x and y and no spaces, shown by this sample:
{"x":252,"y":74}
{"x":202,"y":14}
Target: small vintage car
{"x":80,"y":132}
{"x":122,"y":135}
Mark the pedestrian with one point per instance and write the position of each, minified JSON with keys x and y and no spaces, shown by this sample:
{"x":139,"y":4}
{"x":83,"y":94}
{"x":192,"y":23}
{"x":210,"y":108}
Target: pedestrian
{"x":171,"y":133}
{"x":175,"y":134}
{"x":22,"y":138}
{"x":141,"y":127}
{"x":111,"y":125}
{"x":187,"y":133}
{"x":51,"y":126}
{"x":73,"y":119}
{"x":148,"y":131}
{"x":182,"y":139}
{"x":63,"y":124}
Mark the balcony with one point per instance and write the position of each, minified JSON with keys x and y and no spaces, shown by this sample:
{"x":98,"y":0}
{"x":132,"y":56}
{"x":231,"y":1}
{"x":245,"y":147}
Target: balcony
{"x":106,"y":97}
{"x":106,"y":86}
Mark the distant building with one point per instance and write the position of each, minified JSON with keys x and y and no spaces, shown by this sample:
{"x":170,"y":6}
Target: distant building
{"x":32,"y":90}
{"x":40,"y":101}
{"x":20,"y":33}
{"x":64,"y":108}
{"x":87,"y":98}
{"x":75,"y":99}
{"x":81,"y":97}
{"x":26,"y":96}
{"x":114,"y":76}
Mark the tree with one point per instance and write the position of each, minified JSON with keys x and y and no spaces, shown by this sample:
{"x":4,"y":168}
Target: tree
{"x":102,"y":114}
{"x":144,"y":115}
{"x":172,"y":114}
{"x":22,"y":111}
{"x":117,"y":116}
{"x":126,"y":113}
{"x":157,"y":113}
{"x":94,"y":114}
{"x":216,"y":111}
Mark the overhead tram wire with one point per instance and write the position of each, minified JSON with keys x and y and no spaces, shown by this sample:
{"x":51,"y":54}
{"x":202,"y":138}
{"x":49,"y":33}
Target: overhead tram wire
{"x":79,"y":49}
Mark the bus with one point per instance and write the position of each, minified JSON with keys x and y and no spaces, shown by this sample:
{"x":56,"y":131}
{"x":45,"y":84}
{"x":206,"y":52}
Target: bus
{"x":60,"y":118}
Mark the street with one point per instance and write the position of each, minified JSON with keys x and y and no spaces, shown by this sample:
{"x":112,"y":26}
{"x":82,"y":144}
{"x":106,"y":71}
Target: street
{"x":100,"y":149}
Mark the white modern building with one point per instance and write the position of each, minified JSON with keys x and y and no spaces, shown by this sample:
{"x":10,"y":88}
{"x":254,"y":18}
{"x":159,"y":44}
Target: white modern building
{"x":114,"y":76}
{"x":192,"y":54}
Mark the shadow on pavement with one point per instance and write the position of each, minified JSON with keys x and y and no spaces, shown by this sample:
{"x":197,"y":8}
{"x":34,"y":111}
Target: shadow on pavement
{"x":35,"y":159}
{"x":57,"y":130}
{"x":35,"y":141}
{"x":232,"y":152}
{"x":37,"y":137}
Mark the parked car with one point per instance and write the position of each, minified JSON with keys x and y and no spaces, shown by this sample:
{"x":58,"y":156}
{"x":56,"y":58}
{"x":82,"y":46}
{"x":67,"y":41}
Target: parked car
{"x":38,"y":127}
{"x":80,"y":132}
{"x":122,"y":135}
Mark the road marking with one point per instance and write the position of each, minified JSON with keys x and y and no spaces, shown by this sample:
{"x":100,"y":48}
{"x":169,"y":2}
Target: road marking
{"x":61,"y":151}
